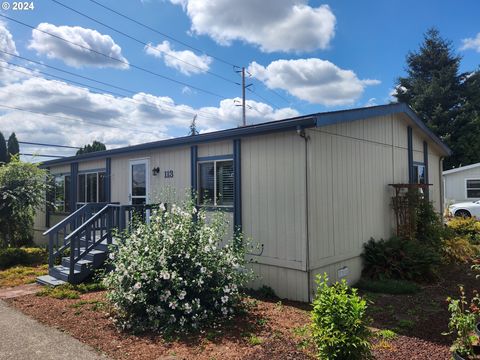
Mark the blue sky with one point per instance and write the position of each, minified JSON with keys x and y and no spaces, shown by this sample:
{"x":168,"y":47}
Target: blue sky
{"x":304,"y":57}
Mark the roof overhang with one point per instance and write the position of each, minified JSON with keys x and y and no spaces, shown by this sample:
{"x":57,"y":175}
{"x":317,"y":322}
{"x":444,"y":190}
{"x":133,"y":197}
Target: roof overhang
{"x":343,"y":116}
{"x":462,"y":168}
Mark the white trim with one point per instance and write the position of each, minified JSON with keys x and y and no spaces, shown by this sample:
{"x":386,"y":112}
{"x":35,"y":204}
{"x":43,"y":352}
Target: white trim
{"x":131,"y":162}
{"x":462,"y":168}
{"x":466,"y":192}
{"x":214,"y":205}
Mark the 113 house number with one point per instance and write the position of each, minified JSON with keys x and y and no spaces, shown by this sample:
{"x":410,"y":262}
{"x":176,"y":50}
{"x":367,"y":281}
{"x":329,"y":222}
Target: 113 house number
{"x":168,"y":174}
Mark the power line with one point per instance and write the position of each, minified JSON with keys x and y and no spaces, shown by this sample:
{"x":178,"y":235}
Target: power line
{"x":116,"y":59}
{"x":144,"y":43}
{"x":162,"y":34}
{"x":263,"y":98}
{"x":100,"y":90}
{"x":42,"y":155}
{"x":173,"y":39}
{"x":48,"y":145}
{"x":70,"y":118}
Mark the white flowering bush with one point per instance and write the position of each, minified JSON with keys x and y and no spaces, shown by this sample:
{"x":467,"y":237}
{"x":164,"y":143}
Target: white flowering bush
{"x":175,"y":273}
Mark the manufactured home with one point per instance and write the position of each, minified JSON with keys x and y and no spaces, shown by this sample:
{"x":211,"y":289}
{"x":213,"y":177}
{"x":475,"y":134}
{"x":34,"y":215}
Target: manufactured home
{"x":311,"y":190}
{"x":462,"y":184}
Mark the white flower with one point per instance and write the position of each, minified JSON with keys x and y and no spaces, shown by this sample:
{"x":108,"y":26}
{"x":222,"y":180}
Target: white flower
{"x":188,"y":308}
{"x":226,"y":289}
{"x":182,"y":294}
{"x":165,"y":275}
{"x":224,"y":299}
{"x":203,"y":270}
{"x":224,"y":311}
{"x":137,"y":286}
{"x":172,"y":305}
{"x":162,"y":206}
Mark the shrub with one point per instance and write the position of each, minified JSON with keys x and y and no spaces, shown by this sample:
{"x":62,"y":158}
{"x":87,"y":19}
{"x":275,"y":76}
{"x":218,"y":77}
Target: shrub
{"x":22,"y":189}
{"x":339,"y":322}
{"x":22,"y":256}
{"x":463,"y":317}
{"x":466,"y":227}
{"x":458,"y":249}
{"x":400,"y":259}
{"x":388,"y":286}
{"x":172,"y":274}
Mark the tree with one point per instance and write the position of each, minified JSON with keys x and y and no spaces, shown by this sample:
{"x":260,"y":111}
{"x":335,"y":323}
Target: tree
{"x":193,"y":126}
{"x":95,"y":146}
{"x":3,"y":150}
{"x":435,"y":89}
{"x":22,"y":191}
{"x":13,"y":147}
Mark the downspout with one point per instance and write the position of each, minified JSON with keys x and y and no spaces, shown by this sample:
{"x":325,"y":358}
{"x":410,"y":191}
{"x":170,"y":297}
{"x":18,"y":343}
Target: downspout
{"x":301,"y":133}
{"x":442,"y":200}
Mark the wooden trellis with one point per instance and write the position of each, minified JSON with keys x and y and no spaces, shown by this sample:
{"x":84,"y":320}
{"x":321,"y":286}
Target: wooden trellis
{"x":405,"y":202}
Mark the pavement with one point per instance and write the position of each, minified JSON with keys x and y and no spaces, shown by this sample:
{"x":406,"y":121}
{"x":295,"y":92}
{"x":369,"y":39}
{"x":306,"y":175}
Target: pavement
{"x":23,"y":338}
{"x":8,"y":293}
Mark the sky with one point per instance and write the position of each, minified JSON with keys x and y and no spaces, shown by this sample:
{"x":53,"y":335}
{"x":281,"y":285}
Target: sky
{"x":128,"y":72}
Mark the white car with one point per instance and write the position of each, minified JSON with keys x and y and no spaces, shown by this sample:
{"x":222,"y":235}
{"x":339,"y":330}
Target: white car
{"x":465,"y":209}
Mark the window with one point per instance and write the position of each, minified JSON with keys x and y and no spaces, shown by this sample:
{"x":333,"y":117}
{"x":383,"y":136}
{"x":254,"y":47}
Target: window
{"x":419,"y":174}
{"x":473,"y":188}
{"x":91,"y":187}
{"x":215,"y":183}
{"x":62,"y":193}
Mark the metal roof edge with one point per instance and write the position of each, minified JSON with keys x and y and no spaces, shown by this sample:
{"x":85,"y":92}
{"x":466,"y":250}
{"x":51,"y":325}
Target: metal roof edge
{"x":342,"y":116}
{"x":461,"y":168}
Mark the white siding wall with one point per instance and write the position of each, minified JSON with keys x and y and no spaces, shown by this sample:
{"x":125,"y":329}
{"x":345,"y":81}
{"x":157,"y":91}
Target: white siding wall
{"x":350,"y":167}
{"x":161,"y":189}
{"x":455,"y":187}
{"x":273,"y":210}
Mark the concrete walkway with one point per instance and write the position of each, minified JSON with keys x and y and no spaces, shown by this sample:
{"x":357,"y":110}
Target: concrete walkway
{"x":23,"y":338}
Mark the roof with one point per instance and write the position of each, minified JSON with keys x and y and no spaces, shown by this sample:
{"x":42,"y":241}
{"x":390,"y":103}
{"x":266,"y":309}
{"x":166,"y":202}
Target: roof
{"x":461,"y":168}
{"x":300,"y":122}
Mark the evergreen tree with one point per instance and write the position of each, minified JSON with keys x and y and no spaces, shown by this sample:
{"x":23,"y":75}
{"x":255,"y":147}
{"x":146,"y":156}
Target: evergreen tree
{"x":95,"y":146}
{"x":3,"y":150}
{"x":193,"y":127}
{"x":13,"y":147}
{"x":439,"y":93}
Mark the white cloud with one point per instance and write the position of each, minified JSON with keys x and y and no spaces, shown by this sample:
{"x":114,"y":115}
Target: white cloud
{"x":314,"y":80}
{"x":371,"y":102}
{"x":186,"y":61}
{"x":126,"y":120}
{"x":471,"y":43}
{"x":7,"y":44}
{"x":74,"y":55}
{"x":273,"y":25}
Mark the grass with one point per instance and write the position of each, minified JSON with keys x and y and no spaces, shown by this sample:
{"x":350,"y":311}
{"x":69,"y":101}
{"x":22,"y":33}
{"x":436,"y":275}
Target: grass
{"x":21,"y":275}
{"x":254,"y":340}
{"x":388,"y":286}
{"x":69,"y":291}
{"x":386,"y":334}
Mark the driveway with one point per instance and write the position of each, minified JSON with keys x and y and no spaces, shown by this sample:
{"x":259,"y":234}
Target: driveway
{"x":24,"y":338}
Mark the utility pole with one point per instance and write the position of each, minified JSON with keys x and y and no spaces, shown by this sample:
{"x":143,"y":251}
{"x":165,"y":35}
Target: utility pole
{"x":244,"y":112}
{"x":244,"y":103}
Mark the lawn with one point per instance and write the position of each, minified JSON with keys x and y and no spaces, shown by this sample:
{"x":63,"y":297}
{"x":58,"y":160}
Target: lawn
{"x":405,"y":326}
{"x":21,"y":275}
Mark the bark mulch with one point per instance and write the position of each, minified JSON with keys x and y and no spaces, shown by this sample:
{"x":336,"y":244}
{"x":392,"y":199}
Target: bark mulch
{"x":269,"y":330}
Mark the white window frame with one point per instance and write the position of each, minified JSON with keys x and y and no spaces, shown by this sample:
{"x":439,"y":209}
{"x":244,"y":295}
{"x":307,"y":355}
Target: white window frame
{"x":466,"y":189}
{"x":131,"y":162}
{"x":62,"y":211}
{"x":214,"y":182}
{"x":98,"y":184}
{"x":418,"y":164}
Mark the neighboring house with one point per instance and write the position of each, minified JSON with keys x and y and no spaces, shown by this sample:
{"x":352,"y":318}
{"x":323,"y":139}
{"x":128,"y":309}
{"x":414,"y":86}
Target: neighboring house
{"x":312,"y":189}
{"x":462,"y":184}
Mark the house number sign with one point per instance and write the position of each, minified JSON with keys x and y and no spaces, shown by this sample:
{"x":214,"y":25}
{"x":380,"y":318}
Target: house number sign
{"x":168,"y":174}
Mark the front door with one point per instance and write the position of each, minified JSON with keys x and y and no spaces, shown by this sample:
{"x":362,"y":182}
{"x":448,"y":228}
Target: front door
{"x":139,"y":182}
